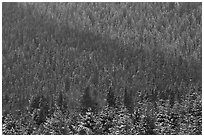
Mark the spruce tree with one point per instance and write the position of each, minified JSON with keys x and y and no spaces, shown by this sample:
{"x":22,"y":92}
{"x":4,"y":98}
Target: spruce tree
{"x":60,"y":100}
{"x":87,"y":101}
{"x":67,"y":84}
{"x":128,"y":102}
{"x":111,"y":98}
{"x":39,"y":108}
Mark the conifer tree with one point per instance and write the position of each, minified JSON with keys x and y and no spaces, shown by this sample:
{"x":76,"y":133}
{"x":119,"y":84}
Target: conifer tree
{"x":60,"y":100}
{"x":67,"y":84}
{"x":128,"y":102}
{"x":87,"y":101}
{"x":111,"y":98}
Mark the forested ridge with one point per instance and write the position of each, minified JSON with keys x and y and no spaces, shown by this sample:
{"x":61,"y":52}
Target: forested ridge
{"x":102,"y":68}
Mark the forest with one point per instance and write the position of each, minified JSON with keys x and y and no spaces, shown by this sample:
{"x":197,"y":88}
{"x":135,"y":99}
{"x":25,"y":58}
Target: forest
{"x":102,"y":68}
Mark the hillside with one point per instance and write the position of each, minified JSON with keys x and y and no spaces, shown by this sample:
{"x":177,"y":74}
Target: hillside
{"x":64,"y":61}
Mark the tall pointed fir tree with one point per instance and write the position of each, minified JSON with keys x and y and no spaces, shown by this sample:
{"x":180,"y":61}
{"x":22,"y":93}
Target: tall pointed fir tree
{"x":128,"y":101}
{"x":60,"y":100}
{"x":87,"y":102}
{"x":67,"y":84}
{"x":111,"y":100}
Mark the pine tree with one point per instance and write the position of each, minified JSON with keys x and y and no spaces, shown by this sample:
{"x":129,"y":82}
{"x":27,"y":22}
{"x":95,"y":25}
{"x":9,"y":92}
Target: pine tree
{"x":67,"y":84}
{"x":87,"y":101}
{"x":60,"y":100}
{"x":172,"y":98}
{"x":51,"y":106}
{"x":39,"y":108}
{"x":128,"y":102}
{"x":6,"y":99}
{"x":95,"y":78}
{"x":111,"y":98}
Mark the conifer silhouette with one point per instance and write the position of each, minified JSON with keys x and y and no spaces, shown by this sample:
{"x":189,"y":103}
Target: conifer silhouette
{"x":128,"y":102}
{"x":111,"y":100}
